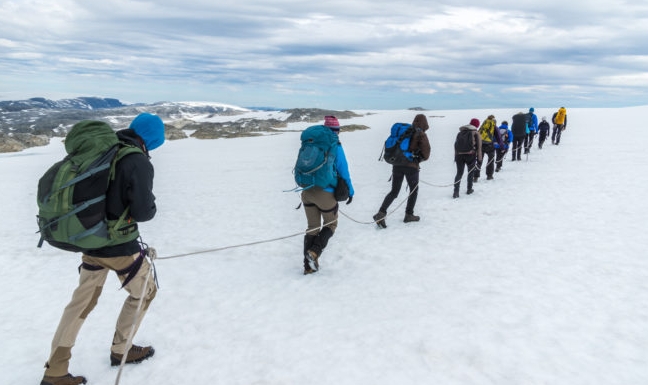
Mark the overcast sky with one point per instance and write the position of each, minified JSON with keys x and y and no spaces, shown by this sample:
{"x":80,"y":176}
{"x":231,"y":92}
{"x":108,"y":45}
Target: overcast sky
{"x":342,"y":54}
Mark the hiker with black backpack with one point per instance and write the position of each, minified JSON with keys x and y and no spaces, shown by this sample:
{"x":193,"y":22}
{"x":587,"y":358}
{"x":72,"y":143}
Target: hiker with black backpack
{"x":320,"y":186}
{"x":467,"y":153}
{"x":519,"y":130}
{"x":409,"y":169}
{"x":129,"y":196}
{"x":490,"y":138}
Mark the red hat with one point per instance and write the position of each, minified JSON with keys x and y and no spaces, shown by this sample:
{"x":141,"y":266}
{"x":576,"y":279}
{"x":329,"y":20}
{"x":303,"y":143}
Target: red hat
{"x":474,"y":122}
{"x":331,"y":122}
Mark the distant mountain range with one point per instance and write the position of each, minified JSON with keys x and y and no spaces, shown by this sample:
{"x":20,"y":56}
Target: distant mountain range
{"x":80,"y":103}
{"x":31,"y":122}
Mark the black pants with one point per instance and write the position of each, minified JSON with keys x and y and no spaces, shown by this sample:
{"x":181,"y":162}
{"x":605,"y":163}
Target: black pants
{"x":487,"y":149}
{"x":543,"y":134}
{"x":398,"y":174}
{"x":500,"y":154}
{"x":462,"y":161}
{"x":528,"y":141}
{"x":518,"y":143}
{"x":557,"y":130}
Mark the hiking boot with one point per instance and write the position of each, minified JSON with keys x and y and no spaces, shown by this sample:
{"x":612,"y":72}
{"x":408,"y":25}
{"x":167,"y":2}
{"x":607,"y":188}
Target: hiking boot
{"x":498,"y":169}
{"x":476,"y":179}
{"x":135,"y":355}
{"x":307,"y":268}
{"x":68,"y":379}
{"x":456,"y":194}
{"x":310,"y":262}
{"x":411,"y":218}
{"x":380,"y":219}
{"x":490,"y":177}
{"x":470,"y":191}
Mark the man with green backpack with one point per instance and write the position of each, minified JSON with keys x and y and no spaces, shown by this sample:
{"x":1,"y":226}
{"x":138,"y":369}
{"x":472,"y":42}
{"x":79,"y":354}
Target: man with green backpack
{"x":90,"y":202}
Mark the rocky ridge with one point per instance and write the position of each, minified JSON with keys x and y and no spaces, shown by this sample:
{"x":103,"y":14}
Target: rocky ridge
{"x":35,"y":121}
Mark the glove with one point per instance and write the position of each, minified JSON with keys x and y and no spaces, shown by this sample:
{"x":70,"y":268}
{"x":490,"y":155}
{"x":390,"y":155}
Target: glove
{"x":151,"y":252}
{"x":349,"y":200}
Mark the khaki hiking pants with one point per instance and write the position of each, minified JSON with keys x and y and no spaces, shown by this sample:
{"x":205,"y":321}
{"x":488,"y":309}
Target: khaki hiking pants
{"x":321,"y":209}
{"x":93,"y":273}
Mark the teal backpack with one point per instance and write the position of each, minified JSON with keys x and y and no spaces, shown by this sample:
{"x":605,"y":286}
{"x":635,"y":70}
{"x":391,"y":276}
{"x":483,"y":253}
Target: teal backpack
{"x":72,"y":193}
{"x":315,"y":165}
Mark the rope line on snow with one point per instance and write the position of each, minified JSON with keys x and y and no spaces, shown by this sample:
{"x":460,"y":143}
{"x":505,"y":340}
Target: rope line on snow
{"x":362,"y":222}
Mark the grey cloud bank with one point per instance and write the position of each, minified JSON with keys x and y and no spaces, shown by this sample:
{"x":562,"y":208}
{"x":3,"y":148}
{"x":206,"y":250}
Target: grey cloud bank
{"x":337,"y":54}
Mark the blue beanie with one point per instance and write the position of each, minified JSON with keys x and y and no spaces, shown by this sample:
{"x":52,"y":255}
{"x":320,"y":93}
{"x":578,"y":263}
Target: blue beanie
{"x":531,"y":109}
{"x":150,"y":128}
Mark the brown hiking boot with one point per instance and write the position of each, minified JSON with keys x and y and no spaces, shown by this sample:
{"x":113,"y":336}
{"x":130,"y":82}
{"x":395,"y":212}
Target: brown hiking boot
{"x":135,"y":355}
{"x":68,"y":379}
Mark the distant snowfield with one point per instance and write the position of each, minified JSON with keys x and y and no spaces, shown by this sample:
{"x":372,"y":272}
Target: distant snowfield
{"x":540,"y":277}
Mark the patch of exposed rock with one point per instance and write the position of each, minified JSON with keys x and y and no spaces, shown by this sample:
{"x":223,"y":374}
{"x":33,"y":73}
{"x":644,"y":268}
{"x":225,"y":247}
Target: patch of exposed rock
{"x":18,"y":141}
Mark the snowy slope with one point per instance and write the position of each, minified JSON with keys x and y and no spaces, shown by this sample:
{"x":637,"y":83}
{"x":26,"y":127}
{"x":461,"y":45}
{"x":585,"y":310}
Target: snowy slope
{"x":540,"y":277}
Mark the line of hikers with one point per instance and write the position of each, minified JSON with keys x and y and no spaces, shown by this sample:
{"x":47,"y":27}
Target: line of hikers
{"x":473,"y":142}
{"x":321,"y":175}
{"x":321,"y":171}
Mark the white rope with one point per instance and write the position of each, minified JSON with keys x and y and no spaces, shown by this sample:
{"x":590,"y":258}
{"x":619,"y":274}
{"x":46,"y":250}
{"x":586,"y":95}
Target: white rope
{"x":129,"y":341}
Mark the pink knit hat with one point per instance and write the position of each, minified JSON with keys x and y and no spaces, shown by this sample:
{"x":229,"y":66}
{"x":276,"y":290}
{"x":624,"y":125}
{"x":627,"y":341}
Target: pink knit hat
{"x":474,"y":122}
{"x":331,"y":122}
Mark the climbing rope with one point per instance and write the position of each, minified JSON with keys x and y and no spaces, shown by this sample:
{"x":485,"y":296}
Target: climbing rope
{"x":152,"y":254}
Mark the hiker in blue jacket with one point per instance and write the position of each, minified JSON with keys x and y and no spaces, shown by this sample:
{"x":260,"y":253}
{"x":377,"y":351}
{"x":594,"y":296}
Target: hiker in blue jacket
{"x":532,"y":128}
{"x":501,"y":150}
{"x":321,"y":207}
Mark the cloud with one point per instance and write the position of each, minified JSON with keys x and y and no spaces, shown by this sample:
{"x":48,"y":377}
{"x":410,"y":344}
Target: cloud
{"x":284,"y":52}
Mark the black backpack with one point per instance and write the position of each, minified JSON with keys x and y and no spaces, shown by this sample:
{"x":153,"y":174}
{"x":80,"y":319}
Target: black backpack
{"x":465,"y":141}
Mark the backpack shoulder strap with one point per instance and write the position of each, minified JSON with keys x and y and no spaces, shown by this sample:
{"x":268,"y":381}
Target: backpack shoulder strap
{"x":124,"y":149}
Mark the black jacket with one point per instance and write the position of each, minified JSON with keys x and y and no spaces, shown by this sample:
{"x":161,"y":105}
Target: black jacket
{"x":133,"y":186}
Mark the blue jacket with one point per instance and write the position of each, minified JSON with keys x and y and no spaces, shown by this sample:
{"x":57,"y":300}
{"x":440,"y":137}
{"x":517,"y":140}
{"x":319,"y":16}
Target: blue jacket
{"x":342,"y":168}
{"x":505,"y":142}
{"x":532,"y":123}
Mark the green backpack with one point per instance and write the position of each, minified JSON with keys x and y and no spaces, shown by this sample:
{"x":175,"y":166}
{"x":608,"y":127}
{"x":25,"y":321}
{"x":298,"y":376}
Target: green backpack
{"x":72,"y":193}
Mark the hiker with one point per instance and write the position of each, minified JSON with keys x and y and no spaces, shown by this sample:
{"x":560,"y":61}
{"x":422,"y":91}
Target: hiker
{"x":518,"y":128}
{"x":501,"y":150}
{"x":559,"y":120}
{"x":490,"y":136}
{"x":321,"y":207}
{"x":131,"y":189}
{"x":543,"y":131}
{"x":420,"y":147}
{"x":532,"y":129}
{"x":467,"y":153}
